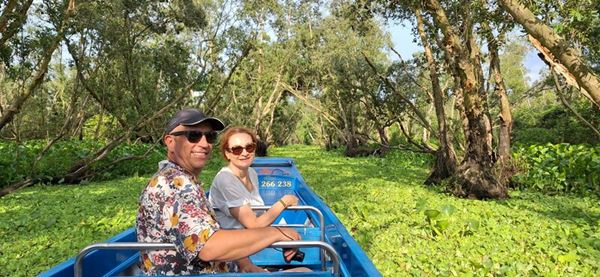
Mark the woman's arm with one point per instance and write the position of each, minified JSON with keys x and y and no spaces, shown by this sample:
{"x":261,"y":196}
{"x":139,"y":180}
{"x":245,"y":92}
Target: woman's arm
{"x":246,"y":216}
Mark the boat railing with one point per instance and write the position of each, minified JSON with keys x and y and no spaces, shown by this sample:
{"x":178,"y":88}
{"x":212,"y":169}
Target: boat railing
{"x":78,"y":266}
{"x":300,"y":207}
{"x":308,"y":208}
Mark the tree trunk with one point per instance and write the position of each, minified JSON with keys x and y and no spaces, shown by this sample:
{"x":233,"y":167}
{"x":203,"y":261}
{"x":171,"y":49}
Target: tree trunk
{"x":570,"y":57}
{"x":348,"y":121}
{"x":77,"y":58}
{"x":458,"y":99}
{"x":475,"y":57}
{"x":474,"y":178}
{"x":385,"y":142}
{"x":7,"y":13}
{"x":349,"y":134}
{"x":504,"y":168}
{"x":422,"y":118}
{"x":19,"y":185}
{"x":212,"y":103}
{"x":99,"y":125}
{"x":12,"y":19}
{"x":505,"y":116}
{"x":445,"y":156}
{"x":268,"y":110}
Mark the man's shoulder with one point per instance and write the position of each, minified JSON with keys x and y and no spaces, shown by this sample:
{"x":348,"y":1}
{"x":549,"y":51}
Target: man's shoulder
{"x":169,"y":173}
{"x":169,"y":178}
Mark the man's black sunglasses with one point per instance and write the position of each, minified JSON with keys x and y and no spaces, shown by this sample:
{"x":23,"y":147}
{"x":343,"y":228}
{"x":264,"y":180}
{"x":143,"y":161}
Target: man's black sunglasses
{"x":195,"y":136}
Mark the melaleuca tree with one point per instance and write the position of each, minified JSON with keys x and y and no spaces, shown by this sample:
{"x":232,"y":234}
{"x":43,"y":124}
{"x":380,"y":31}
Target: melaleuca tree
{"x":565,"y":46}
{"x":258,"y":88}
{"x":135,"y":62}
{"x":349,"y":91}
{"x":133,"y":59}
{"x":26,"y":48}
{"x":451,"y":28}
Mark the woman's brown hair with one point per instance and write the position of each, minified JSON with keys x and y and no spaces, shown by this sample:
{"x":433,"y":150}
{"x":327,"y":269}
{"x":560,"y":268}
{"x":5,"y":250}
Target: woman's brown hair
{"x":224,"y":141}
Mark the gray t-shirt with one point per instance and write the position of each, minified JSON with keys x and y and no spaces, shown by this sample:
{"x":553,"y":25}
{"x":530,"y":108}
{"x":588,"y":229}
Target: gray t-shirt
{"x":227,"y":191}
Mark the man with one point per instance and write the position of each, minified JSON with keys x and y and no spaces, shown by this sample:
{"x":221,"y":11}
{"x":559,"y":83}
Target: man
{"x":173,"y":208}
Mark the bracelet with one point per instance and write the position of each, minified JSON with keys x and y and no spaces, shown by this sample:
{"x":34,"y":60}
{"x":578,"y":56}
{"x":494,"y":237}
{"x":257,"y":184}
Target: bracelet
{"x":283,"y":203}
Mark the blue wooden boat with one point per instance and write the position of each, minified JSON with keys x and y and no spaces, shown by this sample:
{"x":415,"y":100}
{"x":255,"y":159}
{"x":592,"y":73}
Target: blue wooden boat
{"x":328,"y":247}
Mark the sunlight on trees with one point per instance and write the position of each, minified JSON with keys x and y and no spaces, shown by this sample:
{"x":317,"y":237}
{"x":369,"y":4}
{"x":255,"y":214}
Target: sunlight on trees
{"x":313,"y":72}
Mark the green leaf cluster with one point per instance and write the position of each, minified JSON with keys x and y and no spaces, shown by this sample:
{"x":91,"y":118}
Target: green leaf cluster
{"x":17,"y":161}
{"x":440,"y":219}
{"x":540,"y":119}
{"x":559,"y":168}
{"x":43,"y":226}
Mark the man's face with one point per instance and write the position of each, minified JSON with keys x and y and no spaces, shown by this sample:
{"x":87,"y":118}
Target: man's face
{"x":191,"y":156}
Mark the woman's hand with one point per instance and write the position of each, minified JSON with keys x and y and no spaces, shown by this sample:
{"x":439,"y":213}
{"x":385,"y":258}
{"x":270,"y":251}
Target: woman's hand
{"x":290,"y":200}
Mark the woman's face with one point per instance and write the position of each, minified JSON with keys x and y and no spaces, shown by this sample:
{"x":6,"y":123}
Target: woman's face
{"x":244,"y":159}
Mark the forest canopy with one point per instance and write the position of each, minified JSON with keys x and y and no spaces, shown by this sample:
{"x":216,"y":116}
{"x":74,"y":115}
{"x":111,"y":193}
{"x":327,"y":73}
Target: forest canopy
{"x":84,"y":83}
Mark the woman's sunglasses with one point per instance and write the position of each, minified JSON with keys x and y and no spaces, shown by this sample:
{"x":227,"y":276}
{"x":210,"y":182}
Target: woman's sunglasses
{"x":196,"y":136}
{"x":237,"y":150}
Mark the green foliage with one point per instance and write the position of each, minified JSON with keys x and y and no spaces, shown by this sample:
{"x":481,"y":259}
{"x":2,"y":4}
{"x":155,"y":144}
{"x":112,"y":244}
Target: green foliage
{"x":131,"y":167}
{"x":42,"y":226}
{"x":380,"y":201}
{"x":511,"y":61}
{"x":559,"y":168}
{"x":383,"y":204}
{"x":45,"y":225}
{"x":99,"y":127}
{"x":543,"y":120}
{"x":16,"y":160}
{"x":533,"y":135}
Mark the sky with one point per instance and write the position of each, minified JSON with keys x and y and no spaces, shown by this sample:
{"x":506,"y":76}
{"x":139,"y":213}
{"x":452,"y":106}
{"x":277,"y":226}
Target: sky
{"x":402,"y":39}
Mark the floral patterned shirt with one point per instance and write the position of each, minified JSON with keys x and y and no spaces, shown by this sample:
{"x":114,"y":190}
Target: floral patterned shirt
{"x":173,"y":209}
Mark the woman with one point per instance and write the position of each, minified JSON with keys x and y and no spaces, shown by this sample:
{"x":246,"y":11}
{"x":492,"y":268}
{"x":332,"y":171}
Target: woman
{"x":235,"y":189}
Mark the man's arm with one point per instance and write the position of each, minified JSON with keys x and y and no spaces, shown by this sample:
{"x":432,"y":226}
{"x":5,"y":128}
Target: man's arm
{"x":228,"y":245}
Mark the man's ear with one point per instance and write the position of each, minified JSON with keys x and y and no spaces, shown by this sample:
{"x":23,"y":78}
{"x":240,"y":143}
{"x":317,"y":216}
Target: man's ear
{"x":168,"y":141}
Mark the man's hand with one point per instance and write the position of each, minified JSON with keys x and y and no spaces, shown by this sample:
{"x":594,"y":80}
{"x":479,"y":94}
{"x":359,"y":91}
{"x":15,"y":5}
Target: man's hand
{"x":286,"y":235}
